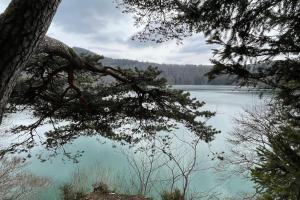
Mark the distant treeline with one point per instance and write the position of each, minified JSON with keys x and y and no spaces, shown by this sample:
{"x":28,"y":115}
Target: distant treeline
{"x":175,"y":74}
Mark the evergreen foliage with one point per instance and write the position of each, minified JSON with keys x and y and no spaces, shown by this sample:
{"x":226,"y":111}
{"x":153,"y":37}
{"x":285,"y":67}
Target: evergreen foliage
{"x":277,"y":173}
{"x":256,"y":40}
{"x":133,"y":107}
{"x":259,"y":43}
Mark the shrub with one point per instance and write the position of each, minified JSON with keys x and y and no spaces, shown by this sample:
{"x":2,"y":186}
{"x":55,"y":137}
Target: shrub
{"x":101,"y":188}
{"x":176,"y":195}
{"x":68,"y":193}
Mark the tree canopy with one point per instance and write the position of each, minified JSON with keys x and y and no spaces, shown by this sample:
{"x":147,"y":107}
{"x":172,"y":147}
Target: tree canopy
{"x":58,"y":85}
{"x":259,"y":43}
{"x":256,"y":40}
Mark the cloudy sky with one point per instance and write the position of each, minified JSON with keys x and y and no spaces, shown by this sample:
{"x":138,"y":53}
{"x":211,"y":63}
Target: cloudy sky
{"x":99,"y":26}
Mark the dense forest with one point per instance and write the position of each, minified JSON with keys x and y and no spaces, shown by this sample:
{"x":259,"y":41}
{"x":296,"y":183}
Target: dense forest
{"x":174,"y":73}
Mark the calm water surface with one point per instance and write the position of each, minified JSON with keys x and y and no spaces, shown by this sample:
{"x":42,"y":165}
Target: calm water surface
{"x":226,"y":101}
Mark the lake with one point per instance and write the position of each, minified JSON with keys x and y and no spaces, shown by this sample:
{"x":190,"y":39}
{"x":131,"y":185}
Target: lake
{"x":227,"y":101}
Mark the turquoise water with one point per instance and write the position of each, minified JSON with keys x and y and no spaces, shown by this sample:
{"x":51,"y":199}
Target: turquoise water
{"x":226,"y":101}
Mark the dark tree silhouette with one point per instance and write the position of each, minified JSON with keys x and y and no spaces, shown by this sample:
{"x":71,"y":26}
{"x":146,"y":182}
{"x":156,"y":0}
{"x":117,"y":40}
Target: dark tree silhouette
{"x":257,"y":40}
{"x":22,"y":26}
{"x":59,"y":85}
{"x":259,"y":43}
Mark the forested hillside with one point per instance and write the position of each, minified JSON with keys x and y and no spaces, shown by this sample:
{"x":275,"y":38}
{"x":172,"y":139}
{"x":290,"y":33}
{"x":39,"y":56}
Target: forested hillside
{"x":175,"y":74}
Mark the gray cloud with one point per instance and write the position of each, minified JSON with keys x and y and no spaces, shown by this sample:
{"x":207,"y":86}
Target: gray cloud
{"x":99,"y":26}
{"x":196,"y":44}
{"x":196,"y":48}
{"x":135,"y":43}
{"x":88,"y":16}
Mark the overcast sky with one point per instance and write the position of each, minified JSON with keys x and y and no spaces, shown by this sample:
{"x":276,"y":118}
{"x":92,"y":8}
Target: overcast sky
{"x":99,"y":26}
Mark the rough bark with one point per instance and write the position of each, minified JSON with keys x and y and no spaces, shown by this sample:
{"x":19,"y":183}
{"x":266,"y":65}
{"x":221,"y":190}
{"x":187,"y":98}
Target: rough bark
{"x":22,"y":26}
{"x":55,"y":47}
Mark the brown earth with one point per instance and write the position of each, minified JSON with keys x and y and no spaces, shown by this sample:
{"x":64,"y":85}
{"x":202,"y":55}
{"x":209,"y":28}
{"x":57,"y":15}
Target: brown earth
{"x":113,"y":196}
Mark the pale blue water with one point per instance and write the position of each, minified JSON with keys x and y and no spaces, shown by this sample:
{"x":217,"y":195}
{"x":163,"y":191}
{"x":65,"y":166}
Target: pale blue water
{"x":225,"y":100}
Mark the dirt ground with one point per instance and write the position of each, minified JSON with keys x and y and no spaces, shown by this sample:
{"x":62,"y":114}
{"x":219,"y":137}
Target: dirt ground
{"x":113,"y":196}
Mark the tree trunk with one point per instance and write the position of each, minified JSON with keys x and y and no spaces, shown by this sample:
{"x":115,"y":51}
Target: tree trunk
{"x":22,"y":26}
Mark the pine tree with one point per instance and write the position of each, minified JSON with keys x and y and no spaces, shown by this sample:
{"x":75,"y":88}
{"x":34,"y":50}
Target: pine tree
{"x":258,"y":42}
